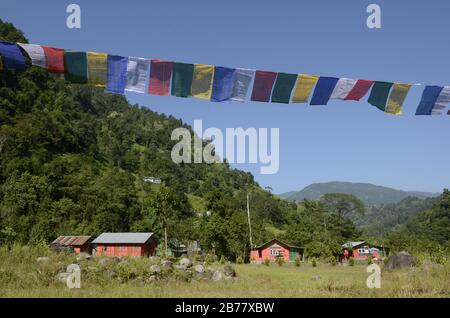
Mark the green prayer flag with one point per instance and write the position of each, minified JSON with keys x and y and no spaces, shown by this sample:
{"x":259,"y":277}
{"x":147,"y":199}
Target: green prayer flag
{"x":182,"y":79}
{"x":283,"y":88}
{"x":75,"y":66}
{"x":379,"y":95}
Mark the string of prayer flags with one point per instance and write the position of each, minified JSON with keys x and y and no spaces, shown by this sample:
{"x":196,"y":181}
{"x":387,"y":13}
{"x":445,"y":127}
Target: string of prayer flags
{"x":397,"y":98}
{"x":283,"y":88}
{"x":222,"y":89}
{"x":137,"y":73}
{"x":12,"y":56}
{"x":55,"y":59}
{"x":429,"y":99}
{"x":343,"y":87}
{"x":36,"y":54}
{"x":262,"y":87}
{"x":202,"y":81}
{"x":324,"y":88}
{"x":242,"y":81}
{"x":160,"y":75}
{"x":359,"y":90}
{"x":97,"y":68}
{"x":182,"y":79}
{"x":117,"y":74}
{"x":305,"y":85}
{"x":75,"y":67}
{"x":379,"y":95}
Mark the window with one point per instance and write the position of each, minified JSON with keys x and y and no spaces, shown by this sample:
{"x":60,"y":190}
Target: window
{"x":274,"y":252}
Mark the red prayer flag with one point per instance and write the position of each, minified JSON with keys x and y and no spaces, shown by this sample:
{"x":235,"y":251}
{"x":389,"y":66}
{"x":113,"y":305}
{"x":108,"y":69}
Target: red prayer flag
{"x":55,"y":59}
{"x":262,"y":88}
{"x":359,"y":90}
{"x":160,"y":75}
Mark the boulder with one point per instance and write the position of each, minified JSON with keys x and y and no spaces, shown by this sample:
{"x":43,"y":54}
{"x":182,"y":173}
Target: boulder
{"x":199,"y":268}
{"x":186,"y":262}
{"x":181,"y":268}
{"x":105,"y":261}
{"x":155,"y":269}
{"x":206,"y":275}
{"x":166,"y":264}
{"x":400,"y":260}
{"x":152,"y":279}
{"x":316,"y":278}
{"x":62,"y":277}
{"x":229,"y":271}
{"x":217,"y":275}
{"x":43,"y":259}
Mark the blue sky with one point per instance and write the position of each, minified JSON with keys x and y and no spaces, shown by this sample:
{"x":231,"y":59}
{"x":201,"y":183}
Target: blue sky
{"x":346,"y":141}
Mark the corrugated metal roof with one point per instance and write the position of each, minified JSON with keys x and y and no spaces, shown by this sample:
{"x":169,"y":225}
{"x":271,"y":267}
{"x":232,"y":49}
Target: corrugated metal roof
{"x":71,"y":240}
{"x":126,"y":238}
{"x":352,"y":244}
{"x":276,"y":240}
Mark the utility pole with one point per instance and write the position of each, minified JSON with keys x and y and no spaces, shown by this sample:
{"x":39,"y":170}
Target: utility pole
{"x":249,"y":224}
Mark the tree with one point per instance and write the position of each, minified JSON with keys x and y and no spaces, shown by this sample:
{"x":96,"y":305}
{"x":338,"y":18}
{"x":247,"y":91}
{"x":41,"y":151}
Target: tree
{"x":342,"y":204}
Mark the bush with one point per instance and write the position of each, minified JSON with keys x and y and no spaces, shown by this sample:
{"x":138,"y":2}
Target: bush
{"x":266,"y":262}
{"x":280,"y":260}
{"x":239,"y":260}
{"x":314,"y":263}
{"x":351,"y":261}
{"x":369,"y":260}
{"x":333,"y":261}
{"x":222,"y":260}
{"x":297,"y":261}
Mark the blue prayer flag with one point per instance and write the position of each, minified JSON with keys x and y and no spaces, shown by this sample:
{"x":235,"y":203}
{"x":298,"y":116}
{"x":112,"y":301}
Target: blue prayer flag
{"x":222,"y":84}
{"x":323,"y":91}
{"x":429,"y":98}
{"x":12,"y":56}
{"x":117,"y":74}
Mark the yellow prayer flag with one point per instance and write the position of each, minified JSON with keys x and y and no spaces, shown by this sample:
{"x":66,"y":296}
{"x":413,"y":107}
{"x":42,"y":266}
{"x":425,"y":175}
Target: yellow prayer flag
{"x":202,"y":81}
{"x":97,"y":67}
{"x":397,"y":98}
{"x":305,"y":84}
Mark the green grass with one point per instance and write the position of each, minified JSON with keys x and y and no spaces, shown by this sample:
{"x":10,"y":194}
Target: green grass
{"x":22,"y":276}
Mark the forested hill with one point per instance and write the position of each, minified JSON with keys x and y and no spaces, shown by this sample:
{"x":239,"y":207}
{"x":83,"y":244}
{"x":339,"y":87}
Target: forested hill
{"x":368,"y":193}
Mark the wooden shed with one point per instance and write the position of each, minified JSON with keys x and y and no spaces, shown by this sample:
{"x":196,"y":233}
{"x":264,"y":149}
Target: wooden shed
{"x":124,"y":244}
{"x":80,"y":244}
{"x":276,"y":248}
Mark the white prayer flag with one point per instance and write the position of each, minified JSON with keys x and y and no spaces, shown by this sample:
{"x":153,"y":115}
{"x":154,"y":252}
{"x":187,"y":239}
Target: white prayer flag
{"x":442,"y":101}
{"x":343,"y":88}
{"x":137,"y":74}
{"x":242,"y":80}
{"x":36,"y":54}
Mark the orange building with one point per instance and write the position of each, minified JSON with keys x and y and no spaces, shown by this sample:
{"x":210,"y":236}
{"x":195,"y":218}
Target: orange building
{"x":78,"y":243}
{"x":363,"y":250}
{"x":273,"y":249}
{"x":124,"y":244}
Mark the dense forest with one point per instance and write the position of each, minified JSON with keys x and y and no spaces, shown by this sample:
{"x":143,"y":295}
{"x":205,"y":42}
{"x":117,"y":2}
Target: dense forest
{"x":73,"y":161}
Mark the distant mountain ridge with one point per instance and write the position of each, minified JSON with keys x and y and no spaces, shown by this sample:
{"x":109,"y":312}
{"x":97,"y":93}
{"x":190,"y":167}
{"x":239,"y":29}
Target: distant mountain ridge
{"x":370,"y":194}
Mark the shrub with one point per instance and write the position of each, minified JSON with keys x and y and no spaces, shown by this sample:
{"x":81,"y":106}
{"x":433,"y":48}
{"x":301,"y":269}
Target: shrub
{"x":297,"y":261}
{"x":369,"y":260}
{"x":239,"y":260}
{"x":351,"y":261}
{"x":266,"y":262}
{"x":314,"y":263}
{"x":333,"y":261}
{"x":280,"y":260}
{"x":222,"y":260}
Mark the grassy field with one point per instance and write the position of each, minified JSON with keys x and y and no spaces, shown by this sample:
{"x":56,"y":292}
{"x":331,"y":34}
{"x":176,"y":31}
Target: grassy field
{"x":22,"y":276}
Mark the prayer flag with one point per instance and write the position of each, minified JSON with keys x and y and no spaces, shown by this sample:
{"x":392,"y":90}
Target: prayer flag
{"x":359,"y":90}
{"x":324,"y":89}
{"x":379,"y":95}
{"x":12,"y":56}
{"x":283,"y":88}
{"x":1,"y":64}
{"x":222,"y":84}
{"x":55,"y":59}
{"x":182,"y":79}
{"x":262,"y":88}
{"x":242,"y":81}
{"x":202,"y":81}
{"x":117,"y":74}
{"x":305,"y":85}
{"x":137,"y":73}
{"x":397,"y":98}
{"x":97,"y":68}
{"x":429,"y":98}
{"x":75,"y":67}
{"x":442,"y":101}
{"x":160,"y":75}
{"x":36,"y":54}
{"x":343,"y":88}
